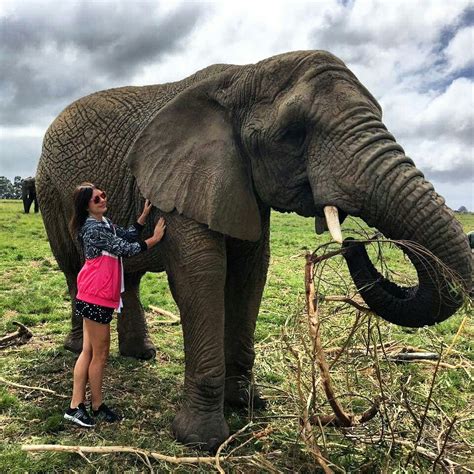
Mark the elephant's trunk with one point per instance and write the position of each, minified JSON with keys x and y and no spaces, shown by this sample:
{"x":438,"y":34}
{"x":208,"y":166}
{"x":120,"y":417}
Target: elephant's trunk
{"x":404,"y":206}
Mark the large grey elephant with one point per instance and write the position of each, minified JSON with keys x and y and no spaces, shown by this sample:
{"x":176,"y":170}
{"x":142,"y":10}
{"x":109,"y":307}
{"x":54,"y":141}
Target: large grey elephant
{"x":214,"y":153}
{"x":28,"y":194}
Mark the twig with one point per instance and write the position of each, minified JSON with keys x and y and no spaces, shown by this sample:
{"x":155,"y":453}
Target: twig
{"x":379,"y":379}
{"x":407,"y":403}
{"x":307,"y":429}
{"x":40,"y":389}
{"x":173,"y":319}
{"x":346,"y":299}
{"x":225,"y":443}
{"x":458,"y":333}
{"x":314,"y":448}
{"x":419,"y":449}
{"x":441,"y":451}
{"x":332,"y":420}
{"x":258,"y":435}
{"x":423,"y":418}
{"x":355,"y":326}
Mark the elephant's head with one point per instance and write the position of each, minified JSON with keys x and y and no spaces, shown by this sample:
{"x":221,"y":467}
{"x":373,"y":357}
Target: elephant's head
{"x":298,"y":132}
{"x":28,"y":186}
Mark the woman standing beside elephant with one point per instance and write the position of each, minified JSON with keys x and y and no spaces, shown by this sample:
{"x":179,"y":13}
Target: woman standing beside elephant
{"x":100,"y":283}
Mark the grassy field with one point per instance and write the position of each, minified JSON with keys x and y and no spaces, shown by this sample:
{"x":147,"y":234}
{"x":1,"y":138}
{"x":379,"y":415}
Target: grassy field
{"x":425,"y":416}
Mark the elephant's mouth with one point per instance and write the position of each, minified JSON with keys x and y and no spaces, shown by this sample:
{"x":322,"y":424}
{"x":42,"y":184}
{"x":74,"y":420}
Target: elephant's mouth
{"x":330,"y":218}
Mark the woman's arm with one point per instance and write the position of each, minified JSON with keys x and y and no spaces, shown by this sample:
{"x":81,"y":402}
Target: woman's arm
{"x":103,"y":239}
{"x":131,"y":234}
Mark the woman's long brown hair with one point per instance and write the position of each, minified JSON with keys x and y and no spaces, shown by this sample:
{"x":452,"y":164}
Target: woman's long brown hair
{"x":81,"y":197}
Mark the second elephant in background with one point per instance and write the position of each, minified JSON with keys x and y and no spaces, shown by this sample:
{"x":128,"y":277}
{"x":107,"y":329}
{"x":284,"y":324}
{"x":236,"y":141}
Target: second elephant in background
{"x":28,"y":194}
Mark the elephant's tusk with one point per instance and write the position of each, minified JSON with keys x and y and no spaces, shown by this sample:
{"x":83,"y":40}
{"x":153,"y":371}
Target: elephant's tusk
{"x":332,"y":220}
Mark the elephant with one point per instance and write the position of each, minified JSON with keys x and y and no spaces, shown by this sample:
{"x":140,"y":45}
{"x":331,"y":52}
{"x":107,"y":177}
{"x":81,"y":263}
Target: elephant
{"x":214,"y":153}
{"x":28,"y":194}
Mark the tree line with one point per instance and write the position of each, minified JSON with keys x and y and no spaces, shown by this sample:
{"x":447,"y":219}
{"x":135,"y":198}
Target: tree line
{"x":9,"y":190}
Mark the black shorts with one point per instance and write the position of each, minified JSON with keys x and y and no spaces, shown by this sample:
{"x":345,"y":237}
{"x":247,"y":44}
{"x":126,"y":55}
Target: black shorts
{"x":94,"y":312}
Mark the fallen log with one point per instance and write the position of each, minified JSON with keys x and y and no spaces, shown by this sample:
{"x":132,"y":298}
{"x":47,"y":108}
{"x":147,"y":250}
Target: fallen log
{"x":20,"y":336}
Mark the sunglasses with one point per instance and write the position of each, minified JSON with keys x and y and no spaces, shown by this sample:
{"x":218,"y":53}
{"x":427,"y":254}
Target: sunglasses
{"x":96,"y":199}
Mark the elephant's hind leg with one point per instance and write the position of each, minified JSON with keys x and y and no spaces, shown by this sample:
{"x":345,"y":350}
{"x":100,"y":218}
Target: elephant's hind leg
{"x":134,"y":340}
{"x":62,"y":245}
{"x":73,"y":341}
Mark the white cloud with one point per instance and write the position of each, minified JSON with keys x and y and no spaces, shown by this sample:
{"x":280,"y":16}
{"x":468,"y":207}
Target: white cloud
{"x":460,"y":50}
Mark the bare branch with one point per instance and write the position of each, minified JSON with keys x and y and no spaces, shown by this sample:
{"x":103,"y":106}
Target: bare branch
{"x":40,"y":389}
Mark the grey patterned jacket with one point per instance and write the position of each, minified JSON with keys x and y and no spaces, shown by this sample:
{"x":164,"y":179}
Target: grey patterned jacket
{"x":96,"y":236}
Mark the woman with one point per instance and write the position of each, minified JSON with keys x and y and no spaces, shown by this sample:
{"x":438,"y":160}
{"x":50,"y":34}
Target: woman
{"x":99,"y":285}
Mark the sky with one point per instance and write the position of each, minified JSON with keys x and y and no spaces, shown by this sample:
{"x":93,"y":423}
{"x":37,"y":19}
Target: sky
{"x":416,"y":57}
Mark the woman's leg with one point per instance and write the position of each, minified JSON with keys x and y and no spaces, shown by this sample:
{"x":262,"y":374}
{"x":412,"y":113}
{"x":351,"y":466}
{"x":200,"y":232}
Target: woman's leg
{"x":99,"y":337}
{"x":81,"y":372}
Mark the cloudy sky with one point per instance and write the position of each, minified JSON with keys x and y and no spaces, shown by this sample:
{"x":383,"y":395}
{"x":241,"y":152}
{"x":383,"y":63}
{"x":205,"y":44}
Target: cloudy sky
{"x":416,"y":57}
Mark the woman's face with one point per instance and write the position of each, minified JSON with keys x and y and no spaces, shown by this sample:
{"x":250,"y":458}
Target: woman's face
{"x":98,"y":202}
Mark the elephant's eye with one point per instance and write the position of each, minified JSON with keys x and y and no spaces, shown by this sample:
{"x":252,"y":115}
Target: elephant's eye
{"x":295,"y":135}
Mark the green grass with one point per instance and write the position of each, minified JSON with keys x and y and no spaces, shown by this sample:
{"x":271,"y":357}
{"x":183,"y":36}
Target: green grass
{"x":33,"y":291}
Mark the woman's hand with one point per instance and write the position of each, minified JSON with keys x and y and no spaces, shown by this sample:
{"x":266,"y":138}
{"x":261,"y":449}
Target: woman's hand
{"x":158,"y":233}
{"x":146,"y":210}
{"x":159,"y":229}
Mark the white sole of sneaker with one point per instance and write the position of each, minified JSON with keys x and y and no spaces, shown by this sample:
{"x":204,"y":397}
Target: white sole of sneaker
{"x":76,"y":421}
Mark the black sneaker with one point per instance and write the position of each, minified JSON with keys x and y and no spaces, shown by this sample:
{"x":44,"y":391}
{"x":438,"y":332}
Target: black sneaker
{"x":106,"y":414}
{"x":79,"y":416}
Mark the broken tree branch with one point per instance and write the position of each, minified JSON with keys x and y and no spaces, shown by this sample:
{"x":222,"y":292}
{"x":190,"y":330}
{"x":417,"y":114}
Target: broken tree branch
{"x":211,"y":460}
{"x":314,"y":328}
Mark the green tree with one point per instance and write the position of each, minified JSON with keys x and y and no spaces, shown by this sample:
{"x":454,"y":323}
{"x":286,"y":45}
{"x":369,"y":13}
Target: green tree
{"x":6,"y":188}
{"x":17,"y":187}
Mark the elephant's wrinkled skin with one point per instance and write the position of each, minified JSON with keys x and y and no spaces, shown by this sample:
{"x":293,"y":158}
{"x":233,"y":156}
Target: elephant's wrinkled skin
{"x":214,"y":153}
{"x":28,"y":194}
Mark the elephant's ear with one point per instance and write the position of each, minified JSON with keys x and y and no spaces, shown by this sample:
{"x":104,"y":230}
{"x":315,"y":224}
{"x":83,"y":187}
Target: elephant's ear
{"x":187,"y":159}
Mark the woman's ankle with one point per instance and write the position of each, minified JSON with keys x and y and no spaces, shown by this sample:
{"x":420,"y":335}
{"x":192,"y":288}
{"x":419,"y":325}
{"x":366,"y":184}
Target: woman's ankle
{"x":95,"y":406}
{"x":73,"y":405}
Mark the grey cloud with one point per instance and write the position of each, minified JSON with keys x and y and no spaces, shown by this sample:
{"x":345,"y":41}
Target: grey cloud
{"x":50,"y":60}
{"x":19,"y":156}
{"x":457,"y":174}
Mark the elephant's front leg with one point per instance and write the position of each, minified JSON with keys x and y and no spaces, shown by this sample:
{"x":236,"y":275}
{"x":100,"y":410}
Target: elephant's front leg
{"x":196,"y":267}
{"x":134,"y":340}
{"x":247,"y":265}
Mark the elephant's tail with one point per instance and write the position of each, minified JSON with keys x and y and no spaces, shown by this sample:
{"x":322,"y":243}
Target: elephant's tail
{"x":55,"y":219}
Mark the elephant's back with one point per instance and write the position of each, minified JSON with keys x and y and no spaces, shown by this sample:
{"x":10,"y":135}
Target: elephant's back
{"x":96,"y":131}
{"x":90,"y":140}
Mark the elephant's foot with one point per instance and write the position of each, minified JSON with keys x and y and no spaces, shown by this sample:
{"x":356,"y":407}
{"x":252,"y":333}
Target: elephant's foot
{"x":141,"y":348}
{"x":206,"y":431}
{"x":73,"y":343}
{"x":240,"y":393}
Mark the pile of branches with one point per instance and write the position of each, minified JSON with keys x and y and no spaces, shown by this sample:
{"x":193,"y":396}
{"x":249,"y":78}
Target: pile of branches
{"x":354,"y":393}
